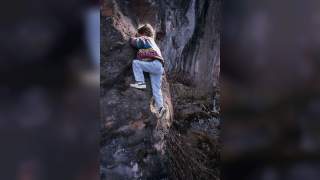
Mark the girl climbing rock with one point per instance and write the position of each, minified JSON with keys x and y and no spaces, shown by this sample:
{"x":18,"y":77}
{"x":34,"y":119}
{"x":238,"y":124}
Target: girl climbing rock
{"x":149,"y":59}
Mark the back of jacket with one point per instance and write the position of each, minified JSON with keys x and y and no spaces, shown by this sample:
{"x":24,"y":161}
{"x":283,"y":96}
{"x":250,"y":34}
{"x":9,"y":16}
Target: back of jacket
{"x":147,"y":48}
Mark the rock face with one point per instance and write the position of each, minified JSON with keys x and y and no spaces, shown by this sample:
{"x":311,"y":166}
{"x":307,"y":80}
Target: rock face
{"x":135,"y":143}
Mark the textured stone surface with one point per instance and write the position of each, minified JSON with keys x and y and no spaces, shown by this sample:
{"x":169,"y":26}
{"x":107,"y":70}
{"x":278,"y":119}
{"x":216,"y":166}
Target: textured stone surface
{"x":136,"y":144}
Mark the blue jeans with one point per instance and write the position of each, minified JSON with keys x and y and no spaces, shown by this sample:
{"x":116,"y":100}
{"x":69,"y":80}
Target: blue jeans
{"x":155,"y":69}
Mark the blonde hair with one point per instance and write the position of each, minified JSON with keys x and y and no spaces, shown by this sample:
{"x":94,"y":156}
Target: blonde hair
{"x":147,"y":30}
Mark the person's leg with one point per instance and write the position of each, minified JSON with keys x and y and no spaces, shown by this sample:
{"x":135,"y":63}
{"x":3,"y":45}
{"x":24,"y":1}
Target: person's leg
{"x":156,"y":80}
{"x":137,"y":71}
{"x":138,"y":75}
{"x":155,"y":69}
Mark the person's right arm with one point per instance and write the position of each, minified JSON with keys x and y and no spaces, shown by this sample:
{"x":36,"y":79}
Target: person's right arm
{"x":139,"y":42}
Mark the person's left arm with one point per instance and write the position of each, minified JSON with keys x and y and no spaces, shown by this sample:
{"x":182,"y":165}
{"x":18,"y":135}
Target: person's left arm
{"x":139,"y":42}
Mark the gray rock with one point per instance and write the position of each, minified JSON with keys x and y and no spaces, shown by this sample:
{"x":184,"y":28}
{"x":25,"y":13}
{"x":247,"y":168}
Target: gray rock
{"x":134,"y":141}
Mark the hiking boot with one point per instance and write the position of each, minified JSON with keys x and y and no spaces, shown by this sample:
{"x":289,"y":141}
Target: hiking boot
{"x":162,"y":111}
{"x":139,"y":85}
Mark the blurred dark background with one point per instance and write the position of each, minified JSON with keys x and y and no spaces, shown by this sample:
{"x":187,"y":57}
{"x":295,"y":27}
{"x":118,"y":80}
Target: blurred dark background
{"x":270,"y":86}
{"x":49,"y":115}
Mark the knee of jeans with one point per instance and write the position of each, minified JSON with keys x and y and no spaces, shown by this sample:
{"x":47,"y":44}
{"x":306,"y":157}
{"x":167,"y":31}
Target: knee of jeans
{"x":135,"y":61}
{"x":157,"y":91}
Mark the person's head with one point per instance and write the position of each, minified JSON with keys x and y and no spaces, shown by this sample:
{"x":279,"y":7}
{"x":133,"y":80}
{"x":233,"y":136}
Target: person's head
{"x":146,"y":30}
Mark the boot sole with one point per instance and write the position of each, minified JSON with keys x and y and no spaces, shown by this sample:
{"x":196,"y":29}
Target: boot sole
{"x":139,"y":88}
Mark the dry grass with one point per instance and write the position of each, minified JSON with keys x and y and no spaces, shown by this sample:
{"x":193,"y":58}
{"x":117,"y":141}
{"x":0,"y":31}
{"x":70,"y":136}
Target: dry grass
{"x":192,"y":156}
